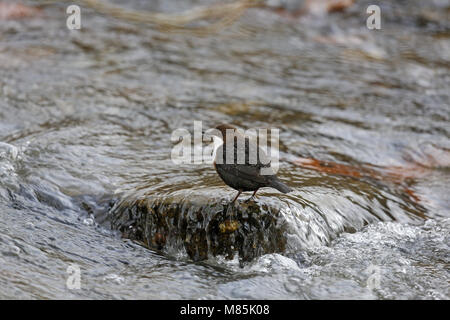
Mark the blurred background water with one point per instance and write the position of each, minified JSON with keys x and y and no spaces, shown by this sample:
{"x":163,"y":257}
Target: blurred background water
{"x":364,"y":133}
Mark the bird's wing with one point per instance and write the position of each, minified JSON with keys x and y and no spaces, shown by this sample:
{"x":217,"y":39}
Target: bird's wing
{"x":251,"y":167}
{"x":260,"y":158}
{"x":246,"y":172}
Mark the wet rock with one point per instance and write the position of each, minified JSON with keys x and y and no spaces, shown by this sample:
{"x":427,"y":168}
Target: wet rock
{"x":200,"y":228}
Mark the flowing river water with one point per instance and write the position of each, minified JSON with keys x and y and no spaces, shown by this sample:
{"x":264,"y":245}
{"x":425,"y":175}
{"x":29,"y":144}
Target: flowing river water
{"x":87,"y":115}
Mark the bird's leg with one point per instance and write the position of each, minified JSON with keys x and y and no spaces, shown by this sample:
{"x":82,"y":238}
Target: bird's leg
{"x":237,"y":196}
{"x":253,"y":195}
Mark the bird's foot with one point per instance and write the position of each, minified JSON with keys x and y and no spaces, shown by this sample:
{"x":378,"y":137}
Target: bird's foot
{"x":252,"y":198}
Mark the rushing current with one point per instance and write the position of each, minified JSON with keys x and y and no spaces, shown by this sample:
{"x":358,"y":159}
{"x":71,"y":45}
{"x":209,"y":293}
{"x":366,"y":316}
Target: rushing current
{"x":364,"y":117}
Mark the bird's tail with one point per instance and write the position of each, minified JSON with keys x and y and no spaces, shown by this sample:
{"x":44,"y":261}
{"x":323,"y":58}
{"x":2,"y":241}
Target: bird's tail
{"x":280,"y":186}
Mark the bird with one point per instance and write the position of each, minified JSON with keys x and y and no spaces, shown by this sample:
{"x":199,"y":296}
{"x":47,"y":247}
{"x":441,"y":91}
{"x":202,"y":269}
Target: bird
{"x":243,"y":175}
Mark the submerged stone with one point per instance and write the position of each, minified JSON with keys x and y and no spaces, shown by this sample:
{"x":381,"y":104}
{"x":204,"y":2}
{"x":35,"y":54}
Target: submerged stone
{"x":200,"y":228}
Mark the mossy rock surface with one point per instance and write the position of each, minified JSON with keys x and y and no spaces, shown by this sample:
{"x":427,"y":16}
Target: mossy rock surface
{"x":201,"y":228}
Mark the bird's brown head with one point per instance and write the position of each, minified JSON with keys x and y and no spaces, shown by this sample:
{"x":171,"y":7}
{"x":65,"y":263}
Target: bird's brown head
{"x":220,"y":131}
{"x":224,"y":127}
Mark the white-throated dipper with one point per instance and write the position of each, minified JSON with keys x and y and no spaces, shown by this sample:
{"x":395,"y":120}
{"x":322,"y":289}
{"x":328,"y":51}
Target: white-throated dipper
{"x":244,"y":175}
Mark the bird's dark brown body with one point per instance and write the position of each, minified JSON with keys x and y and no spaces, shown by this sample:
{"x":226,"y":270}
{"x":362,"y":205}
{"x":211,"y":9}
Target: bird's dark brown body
{"x":244,"y":175}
